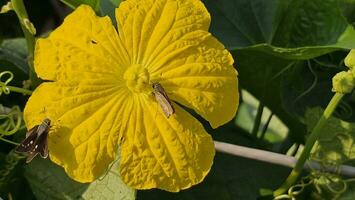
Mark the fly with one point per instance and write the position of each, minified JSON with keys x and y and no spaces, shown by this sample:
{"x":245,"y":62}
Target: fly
{"x":35,"y":141}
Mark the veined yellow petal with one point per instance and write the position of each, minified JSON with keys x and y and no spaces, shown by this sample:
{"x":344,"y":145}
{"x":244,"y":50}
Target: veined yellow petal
{"x":84,"y":42}
{"x":35,"y":110}
{"x":86,"y":119}
{"x":198,"y":73}
{"x":170,"y":38}
{"x":101,"y":95}
{"x":167,"y":153}
{"x":149,"y":26}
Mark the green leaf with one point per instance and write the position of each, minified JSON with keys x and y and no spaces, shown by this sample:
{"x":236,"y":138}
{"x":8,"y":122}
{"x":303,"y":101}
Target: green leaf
{"x":49,"y":181}
{"x":306,"y":84}
{"x":266,"y":36}
{"x":13,"y":57}
{"x":110,"y":187}
{"x":242,"y":23}
{"x":108,"y":8}
{"x":12,"y":181}
{"x":298,"y":29}
{"x":337,"y":142}
{"x":95,"y":4}
{"x":15,"y":51}
{"x":261,"y":74}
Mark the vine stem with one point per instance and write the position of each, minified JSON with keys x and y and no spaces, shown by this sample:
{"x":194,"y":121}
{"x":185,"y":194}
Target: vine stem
{"x":21,"y":13}
{"x":293,"y":176}
{"x":19,"y":90}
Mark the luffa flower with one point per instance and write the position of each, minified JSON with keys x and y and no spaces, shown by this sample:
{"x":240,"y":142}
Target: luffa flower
{"x":99,"y":92}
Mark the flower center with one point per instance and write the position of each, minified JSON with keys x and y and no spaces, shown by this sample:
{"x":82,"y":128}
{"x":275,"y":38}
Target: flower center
{"x":137,"y":79}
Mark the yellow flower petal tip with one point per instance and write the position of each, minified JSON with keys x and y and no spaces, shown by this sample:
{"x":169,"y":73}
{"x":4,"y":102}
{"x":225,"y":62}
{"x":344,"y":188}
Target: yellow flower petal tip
{"x":101,"y":95}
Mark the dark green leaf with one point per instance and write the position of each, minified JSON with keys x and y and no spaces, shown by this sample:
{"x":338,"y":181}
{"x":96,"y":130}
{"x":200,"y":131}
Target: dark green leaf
{"x":108,"y":8}
{"x":299,"y":29}
{"x":12,"y":182}
{"x":242,"y":23}
{"x":260,"y":74}
{"x":306,"y":84}
{"x":95,"y":4}
{"x":313,"y":23}
{"x":265,"y":35}
{"x":15,"y":51}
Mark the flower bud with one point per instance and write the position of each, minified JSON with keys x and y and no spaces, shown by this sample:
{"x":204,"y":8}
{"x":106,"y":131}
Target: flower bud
{"x":343,"y":82}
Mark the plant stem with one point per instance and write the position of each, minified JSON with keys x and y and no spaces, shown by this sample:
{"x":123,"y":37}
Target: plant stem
{"x":257,"y":121}
{"x":292,"y":178}
{"x":19,"y":90}
{"x":21,"y":13}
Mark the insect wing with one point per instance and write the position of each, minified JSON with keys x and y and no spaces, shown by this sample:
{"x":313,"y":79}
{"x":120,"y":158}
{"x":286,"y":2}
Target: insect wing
{"x":42,"y":143}
{"x":28,"y":144}
{"x":30,"y":156}
{"x":163,"y":100}
{"x":36,"y":141}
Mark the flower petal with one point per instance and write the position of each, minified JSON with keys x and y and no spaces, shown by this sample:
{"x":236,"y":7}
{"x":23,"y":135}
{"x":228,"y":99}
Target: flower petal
{"x":201,"y":76}
{"x":167,"y":153}
{"x":170,"y":38}
{"x":86,"y":118}
{"x":84,"y":42}
{"x":149,"y":26}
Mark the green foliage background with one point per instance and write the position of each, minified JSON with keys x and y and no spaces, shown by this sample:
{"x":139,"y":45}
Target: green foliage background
{"x":286,"y":52}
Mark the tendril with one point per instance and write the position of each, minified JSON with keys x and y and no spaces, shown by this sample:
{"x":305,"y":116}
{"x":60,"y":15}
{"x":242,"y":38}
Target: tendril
{"x":296,"y":189}
{"x":3,"y":84}
{"x":6,"y":89}
{"x":321,"y":180}
{"x":334,"y":182}
{"x":11,"y":119}
{"x":313,"y":85}
{"x":328,"y":65}
{"x":334,"y":189}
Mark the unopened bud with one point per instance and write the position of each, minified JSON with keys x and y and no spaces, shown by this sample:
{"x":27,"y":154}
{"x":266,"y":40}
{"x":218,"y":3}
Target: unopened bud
{"x":343,"y":82}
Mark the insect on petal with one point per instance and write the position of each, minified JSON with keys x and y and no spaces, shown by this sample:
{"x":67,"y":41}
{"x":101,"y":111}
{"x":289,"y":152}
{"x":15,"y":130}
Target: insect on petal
{"x":163,"y":100}
{"x":36,"y":141}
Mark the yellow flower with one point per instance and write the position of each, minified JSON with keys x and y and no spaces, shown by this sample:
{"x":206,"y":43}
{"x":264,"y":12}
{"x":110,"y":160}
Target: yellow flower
{"x":99,"y":92}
